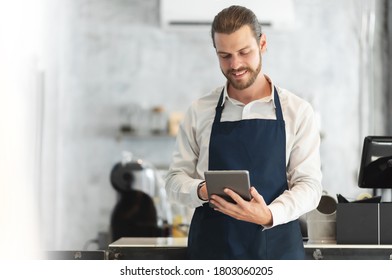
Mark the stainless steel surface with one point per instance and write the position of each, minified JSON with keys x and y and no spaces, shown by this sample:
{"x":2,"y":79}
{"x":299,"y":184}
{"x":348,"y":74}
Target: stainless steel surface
{"x":175,"y":248}
{"x":159,"y":248}
{"x":150,"y":242}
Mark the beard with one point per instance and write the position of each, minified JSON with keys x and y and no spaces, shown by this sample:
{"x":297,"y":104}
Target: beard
{"x":240,"y":85}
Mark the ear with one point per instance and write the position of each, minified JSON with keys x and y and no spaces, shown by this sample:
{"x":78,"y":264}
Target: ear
{"x":263,"y":43}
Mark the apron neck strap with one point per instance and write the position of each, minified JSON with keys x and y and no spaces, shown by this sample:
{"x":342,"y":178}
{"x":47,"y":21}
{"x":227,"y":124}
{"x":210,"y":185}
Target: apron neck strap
{"x":220,"y":106}
{"x":279,"y":114}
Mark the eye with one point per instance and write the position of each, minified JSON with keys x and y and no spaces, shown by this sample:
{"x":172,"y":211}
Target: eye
{"x":224,"y":55}
{"x":244,"y":52}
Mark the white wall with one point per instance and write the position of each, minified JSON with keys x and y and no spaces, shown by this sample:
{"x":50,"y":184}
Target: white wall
{"x":113,"y":53}
{"x":21,"y":99}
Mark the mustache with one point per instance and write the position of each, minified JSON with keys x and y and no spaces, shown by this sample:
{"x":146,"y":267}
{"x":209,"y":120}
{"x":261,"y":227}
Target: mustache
{"x":231,"y":71}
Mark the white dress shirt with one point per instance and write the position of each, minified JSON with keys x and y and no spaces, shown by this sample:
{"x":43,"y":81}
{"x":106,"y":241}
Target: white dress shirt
{"x":190,"y":158}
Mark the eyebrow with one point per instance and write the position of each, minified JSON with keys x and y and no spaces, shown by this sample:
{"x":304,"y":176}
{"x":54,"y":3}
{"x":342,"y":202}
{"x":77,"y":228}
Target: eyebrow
{"x":244,"y":48}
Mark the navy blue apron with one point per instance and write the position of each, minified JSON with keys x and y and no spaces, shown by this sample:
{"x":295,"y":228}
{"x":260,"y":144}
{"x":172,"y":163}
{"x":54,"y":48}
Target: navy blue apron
{"x":259,"y":146}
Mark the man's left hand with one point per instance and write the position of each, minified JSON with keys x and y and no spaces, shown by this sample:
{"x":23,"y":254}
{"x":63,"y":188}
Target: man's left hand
{"x":254,"y":211}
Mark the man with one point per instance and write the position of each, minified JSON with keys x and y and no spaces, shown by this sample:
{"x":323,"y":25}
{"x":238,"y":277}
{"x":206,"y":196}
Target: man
{"x":251,"y":124}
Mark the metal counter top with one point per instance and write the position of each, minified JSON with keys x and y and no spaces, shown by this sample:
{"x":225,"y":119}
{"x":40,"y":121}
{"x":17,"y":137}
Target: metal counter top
{"x":175,"y":248}
{"x":165,"y":242}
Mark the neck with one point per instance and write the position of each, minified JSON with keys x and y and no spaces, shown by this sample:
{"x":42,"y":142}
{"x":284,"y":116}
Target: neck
{"x":259,"y":89}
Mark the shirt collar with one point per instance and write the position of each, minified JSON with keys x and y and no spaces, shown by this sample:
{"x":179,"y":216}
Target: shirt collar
{"x":269,"y":98}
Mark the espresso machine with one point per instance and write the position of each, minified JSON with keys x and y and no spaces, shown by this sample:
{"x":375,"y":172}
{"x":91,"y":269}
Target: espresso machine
{"x":142,"y":209}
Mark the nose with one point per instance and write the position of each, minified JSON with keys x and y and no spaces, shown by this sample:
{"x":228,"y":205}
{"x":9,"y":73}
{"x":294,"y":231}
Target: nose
{"x":235,"y":62}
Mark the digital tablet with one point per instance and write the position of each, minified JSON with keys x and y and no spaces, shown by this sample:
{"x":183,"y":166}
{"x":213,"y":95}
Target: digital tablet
{"x":236,"y":180}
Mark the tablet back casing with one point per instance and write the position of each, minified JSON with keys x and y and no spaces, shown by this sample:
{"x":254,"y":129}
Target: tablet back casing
{"x":236,"y":180}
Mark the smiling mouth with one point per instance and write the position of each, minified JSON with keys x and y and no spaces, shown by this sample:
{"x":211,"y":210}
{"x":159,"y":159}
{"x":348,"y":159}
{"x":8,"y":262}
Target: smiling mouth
{"x":239,"y":74}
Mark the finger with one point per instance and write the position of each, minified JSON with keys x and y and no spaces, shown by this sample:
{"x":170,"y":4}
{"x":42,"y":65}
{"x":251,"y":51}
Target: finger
{"x":234,"y":209}
{"x":226,"y":209}
{"x":235,"y":196}
{"x":218,"y":201}
{"x":222,"y":205}
{"x":256,"y":196}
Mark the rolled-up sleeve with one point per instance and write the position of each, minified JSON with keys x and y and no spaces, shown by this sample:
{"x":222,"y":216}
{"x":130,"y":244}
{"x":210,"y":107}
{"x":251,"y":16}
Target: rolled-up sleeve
{"x":182,"y":179}
{"x":303,"y":169}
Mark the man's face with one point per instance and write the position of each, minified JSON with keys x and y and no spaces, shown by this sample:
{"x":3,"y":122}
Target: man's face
{"x":239,"y":57}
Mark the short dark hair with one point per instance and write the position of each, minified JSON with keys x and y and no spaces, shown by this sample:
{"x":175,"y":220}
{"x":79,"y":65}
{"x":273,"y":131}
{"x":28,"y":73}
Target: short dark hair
{"x":233,"y":18}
